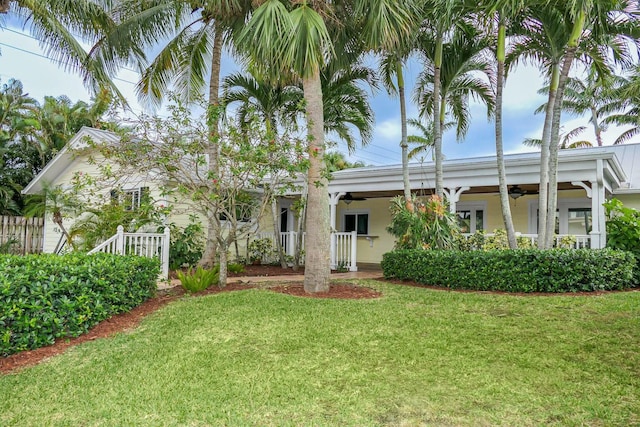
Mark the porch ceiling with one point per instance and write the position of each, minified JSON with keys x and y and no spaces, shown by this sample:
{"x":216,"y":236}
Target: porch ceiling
{"x":487,"y":189}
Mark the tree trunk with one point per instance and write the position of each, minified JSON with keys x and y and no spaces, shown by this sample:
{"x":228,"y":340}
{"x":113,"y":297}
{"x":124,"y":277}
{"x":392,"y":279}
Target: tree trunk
{"x":302,"y":218}
{"x":437,"y":128}
{"x":596,"y":126}
{"x":502,"y":174}
{"x":544,"y":160}
{"x":208,"y":259}
{"x":222,"y":253}
{"x":567,"y":61}
{"x":276,"y":232}
{"x":403,"y":126}
{"x":317,"y":243}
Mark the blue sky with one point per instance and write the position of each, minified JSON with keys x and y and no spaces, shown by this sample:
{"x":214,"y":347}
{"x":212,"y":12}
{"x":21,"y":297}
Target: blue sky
{"x":20,"y":58}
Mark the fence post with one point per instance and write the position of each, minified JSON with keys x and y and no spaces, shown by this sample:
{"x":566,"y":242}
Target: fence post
{"x":166,"y":241}
{"x":333,"y":251}
{"x":354,"y":251}
{"x":120,"y":240}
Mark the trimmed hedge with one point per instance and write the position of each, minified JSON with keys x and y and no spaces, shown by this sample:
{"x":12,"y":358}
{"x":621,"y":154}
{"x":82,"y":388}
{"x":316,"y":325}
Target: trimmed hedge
{"x":45,"y":297}
{"x":522,"y":270}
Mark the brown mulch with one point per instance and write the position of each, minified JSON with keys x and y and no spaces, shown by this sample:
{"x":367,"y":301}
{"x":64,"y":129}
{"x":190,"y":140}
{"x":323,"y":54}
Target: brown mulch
{"x":126,"y":321}
{"x":336,"y":290}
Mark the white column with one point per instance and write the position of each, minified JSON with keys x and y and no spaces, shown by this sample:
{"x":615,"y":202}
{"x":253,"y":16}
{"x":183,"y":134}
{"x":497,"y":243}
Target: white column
{"x":596,"y":225}
{"x":453,"y":196}
{"x":120,"y":240}
{"x":333,"y":203}
{"x":354,"y":251}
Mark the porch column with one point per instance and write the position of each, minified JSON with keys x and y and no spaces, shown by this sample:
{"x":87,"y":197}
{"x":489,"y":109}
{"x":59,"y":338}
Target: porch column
{"x":598,"y":226}
{"x":453,"y":196}
{"x":333,"y":202}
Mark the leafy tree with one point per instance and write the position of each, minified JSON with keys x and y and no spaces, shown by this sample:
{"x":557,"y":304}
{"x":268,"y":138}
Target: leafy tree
{"x":252,"y":168}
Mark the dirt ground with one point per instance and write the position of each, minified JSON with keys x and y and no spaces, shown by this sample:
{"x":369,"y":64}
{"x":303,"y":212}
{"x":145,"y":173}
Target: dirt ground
{"x":126,"y":321}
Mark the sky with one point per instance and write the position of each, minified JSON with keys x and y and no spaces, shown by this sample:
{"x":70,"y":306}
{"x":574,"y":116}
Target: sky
{"x":21,"y":58}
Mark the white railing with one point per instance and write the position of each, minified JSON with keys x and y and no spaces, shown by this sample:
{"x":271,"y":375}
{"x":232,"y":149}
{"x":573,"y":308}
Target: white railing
{"x":578,"y":241}
{"x":343,"y":247}
{"x":149,"y":245}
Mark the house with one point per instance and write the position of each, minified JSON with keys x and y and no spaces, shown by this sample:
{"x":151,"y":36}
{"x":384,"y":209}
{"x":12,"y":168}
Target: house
{"x":359,"y":198}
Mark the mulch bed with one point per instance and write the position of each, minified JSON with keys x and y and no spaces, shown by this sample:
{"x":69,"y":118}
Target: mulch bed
{"x":126,"y":321}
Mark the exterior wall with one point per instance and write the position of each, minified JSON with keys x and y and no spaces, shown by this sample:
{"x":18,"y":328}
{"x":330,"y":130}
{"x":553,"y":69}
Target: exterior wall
{"x":80,"y":165}
{"x":380,"y":241}
{"x":629,"y":200}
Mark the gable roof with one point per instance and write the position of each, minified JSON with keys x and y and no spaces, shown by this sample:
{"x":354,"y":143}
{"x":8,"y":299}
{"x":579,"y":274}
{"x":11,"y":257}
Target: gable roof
{"x":65,"y":157}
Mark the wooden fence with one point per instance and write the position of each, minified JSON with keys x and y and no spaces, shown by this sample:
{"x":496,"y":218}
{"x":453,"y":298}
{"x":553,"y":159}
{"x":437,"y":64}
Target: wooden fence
{"x":19,"y":235}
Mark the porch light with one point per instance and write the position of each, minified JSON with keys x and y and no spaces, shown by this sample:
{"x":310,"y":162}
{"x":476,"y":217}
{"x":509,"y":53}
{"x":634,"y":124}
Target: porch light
{"x":515,"y":192}
{"x":348,"y":198}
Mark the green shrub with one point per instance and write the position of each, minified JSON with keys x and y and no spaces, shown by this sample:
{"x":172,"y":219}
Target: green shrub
{"x":522,"y":270}
{"x":260,"y":250}
{"x":187,"y":245}
{"x":623,"y":230}
{"x":45,"y":297}
{"x":235,"y":267}
{"x":199,"y":279}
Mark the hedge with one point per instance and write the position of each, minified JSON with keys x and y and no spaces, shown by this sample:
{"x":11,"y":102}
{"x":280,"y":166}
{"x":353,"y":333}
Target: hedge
{"x":45,"y":297}
{"x":523,"y":270}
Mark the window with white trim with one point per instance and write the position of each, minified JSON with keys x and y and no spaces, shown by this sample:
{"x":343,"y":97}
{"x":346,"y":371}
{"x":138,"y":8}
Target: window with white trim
{"x":130,"y":199}
{"x":471,"y":216}
{"x":355,"y":221}
{"x":572,"y":217}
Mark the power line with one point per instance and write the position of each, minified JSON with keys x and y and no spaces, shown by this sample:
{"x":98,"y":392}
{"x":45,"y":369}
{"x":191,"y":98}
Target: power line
{"x":39,"y":55}
{"x":38,"y":40}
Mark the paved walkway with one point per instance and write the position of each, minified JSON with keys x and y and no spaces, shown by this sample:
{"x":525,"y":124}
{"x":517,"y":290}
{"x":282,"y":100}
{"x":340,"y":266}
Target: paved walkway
{"x":367,"y":274}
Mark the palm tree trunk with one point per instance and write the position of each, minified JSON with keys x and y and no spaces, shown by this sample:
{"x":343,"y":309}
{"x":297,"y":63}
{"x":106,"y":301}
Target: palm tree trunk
{"x":596,"y":126}
{"x":437,"y":128}
{"x":502,"y":174}
{"x":317,"y":243}
{"x":403,"y":126}
{"x":544,"y":161}
{"x":302,"y":218}
{"x":276,"y":232}
{"x":208,"y":259}
{"x":567,"y":61}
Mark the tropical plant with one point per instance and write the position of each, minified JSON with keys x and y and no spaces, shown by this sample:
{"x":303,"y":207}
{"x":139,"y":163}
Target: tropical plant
{"x":419,"y":224}
{"x":566,"y":140}
{"x":450,"y":78}
{"x":186,"y":244}
{"x":299,"y":38}
{"x":199,"y":279}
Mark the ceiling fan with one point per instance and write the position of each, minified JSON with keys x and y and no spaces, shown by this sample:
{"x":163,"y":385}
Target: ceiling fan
{"x":348,"y":198}
{"x":516,"y":192}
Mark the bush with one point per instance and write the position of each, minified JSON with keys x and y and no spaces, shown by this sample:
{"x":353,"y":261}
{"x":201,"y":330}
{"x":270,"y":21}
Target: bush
{"x":522,"y":270}
{"x":199,"y":279}
{"x":45,"y":297}
{"x":187,"y":245}
{"x":623,"y":230}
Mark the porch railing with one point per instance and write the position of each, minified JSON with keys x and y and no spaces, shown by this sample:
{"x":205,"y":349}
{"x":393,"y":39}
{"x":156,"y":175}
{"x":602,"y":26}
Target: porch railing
{"x":343,"y":253}
{"x":575,"y":241}
{"x":149,"y":245}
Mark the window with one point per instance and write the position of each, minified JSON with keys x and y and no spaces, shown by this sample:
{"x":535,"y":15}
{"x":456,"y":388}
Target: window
{"x":470,"y":217}
{"x":573,"y":217}
{"x":357,"y":221}
{"x":130,"y":199}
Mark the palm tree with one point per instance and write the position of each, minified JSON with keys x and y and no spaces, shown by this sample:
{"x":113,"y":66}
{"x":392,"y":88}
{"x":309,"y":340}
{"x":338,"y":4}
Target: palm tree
{"x":457,"y":82}
{"x":196,"y":32}
{"x":299,"y":37}
{"x":566,"y":141}
{"x":554,"y":36}
{"x":60,"y":27}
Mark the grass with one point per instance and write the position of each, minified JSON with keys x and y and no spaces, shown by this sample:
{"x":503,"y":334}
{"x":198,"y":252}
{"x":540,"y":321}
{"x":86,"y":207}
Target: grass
{"x":413,"y":357}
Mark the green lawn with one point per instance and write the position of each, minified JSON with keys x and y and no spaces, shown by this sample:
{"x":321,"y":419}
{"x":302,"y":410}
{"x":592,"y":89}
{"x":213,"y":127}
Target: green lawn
{"x":413,"y":357}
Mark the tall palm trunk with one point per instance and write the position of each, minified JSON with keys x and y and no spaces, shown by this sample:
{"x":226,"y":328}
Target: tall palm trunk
{"x":543,"y":196}
{"x":437,"y":126}
{"x":502,"y":174}
{"x":567,"y":61}
{"x":403,"y":126}
{"x":317,"y":242}
{"x":276,"y":232}
{"x":596,"y":126}
{"x":208,"y":259}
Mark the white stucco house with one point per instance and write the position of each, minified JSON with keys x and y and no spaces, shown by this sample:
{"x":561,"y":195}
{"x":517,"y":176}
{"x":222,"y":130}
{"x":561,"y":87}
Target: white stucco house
{"x":359,"y":198}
